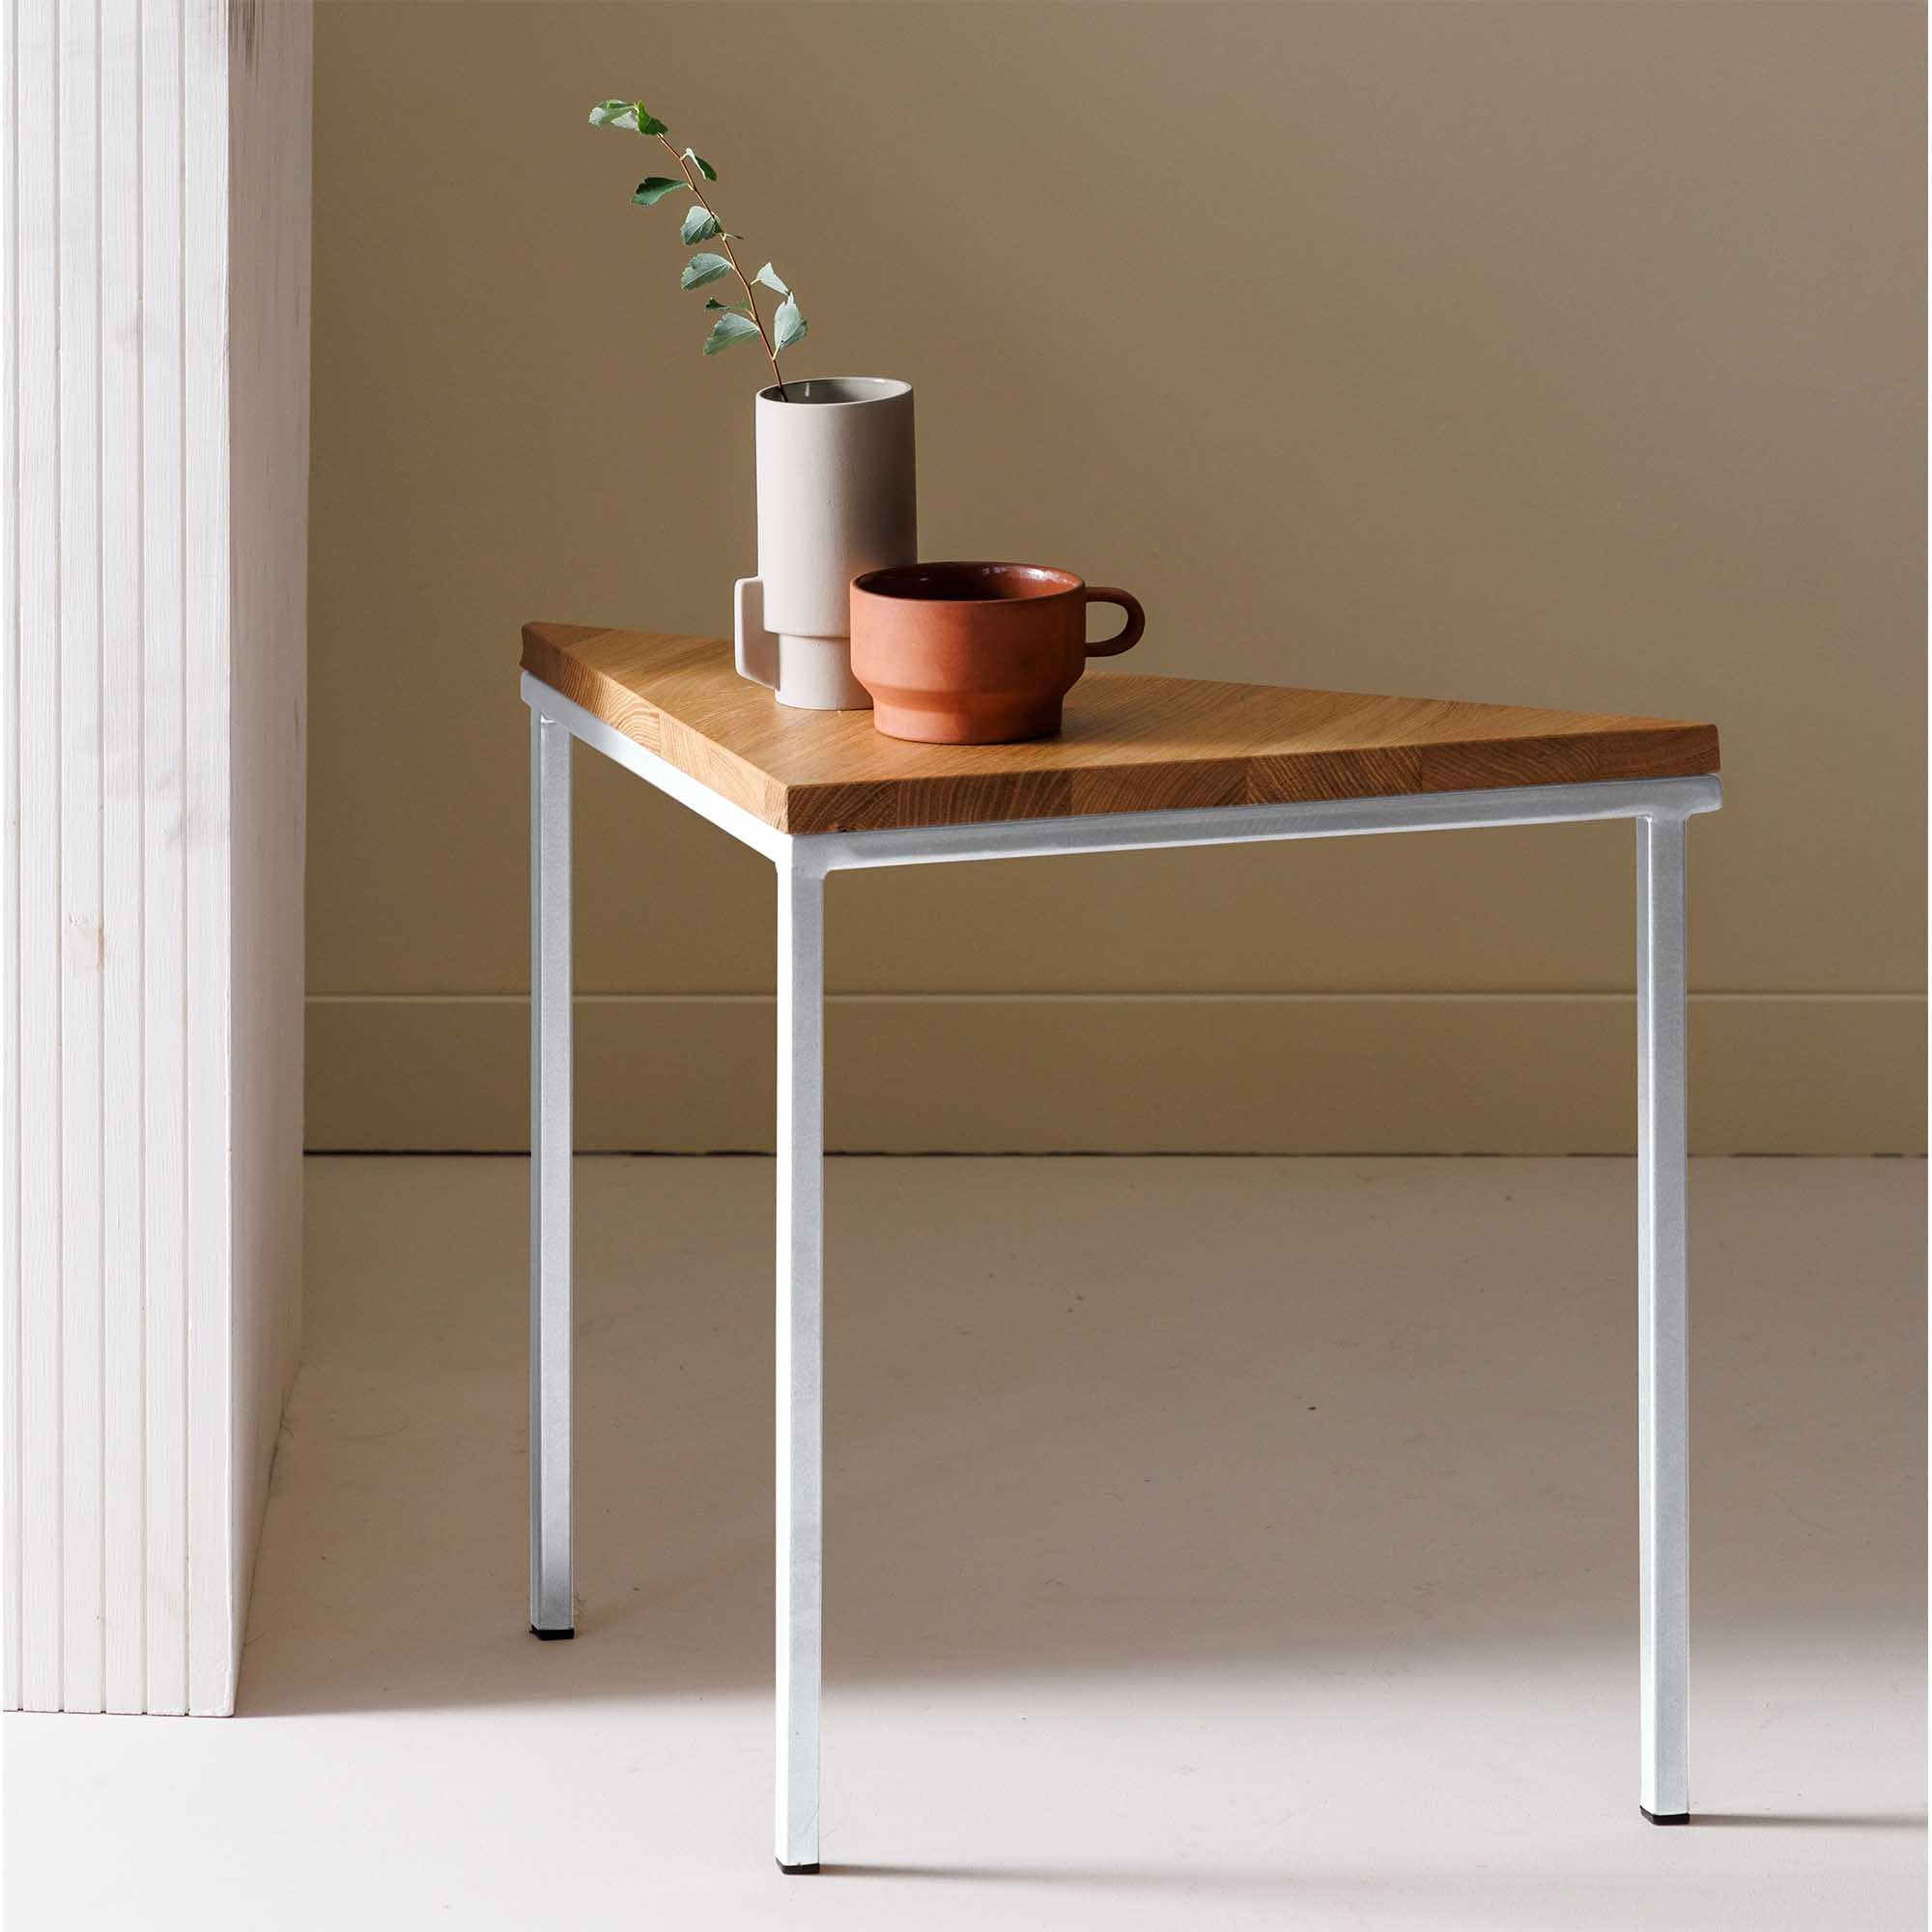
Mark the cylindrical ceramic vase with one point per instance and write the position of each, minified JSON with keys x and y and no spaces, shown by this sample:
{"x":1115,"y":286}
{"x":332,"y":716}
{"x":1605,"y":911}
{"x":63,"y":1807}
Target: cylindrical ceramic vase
{"x":837,"y":496}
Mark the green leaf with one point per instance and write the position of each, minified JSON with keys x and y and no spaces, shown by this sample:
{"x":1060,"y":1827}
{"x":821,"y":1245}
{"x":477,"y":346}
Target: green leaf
{"x":771,"y":278}
{"x":743,"y":308}
{"x":702,"y":166}
{"x":727,"y":329}
{"x":788,"y":326}
{"x":700,"y":225}
{"x":653,"y":188}
{"x":631,"y":114}
{"x":702,"y":269}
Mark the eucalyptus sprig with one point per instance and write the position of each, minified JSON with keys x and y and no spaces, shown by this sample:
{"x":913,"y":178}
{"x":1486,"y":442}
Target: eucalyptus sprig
{"x":736,"y":321}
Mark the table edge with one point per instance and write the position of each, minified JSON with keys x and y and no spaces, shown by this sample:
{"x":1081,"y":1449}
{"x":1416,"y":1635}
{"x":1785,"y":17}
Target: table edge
{"x":1673,"y":748}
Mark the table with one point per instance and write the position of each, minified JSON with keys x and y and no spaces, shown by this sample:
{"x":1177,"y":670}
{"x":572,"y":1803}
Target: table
{"x":1143,"y":762}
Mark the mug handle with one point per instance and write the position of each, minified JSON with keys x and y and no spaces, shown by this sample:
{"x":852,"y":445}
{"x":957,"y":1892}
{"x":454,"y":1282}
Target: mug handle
{"x":1131,"y":636}
{"x":755,"y":648}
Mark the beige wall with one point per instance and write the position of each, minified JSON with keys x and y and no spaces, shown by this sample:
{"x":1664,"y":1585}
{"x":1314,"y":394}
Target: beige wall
{"x":1567,"y":353}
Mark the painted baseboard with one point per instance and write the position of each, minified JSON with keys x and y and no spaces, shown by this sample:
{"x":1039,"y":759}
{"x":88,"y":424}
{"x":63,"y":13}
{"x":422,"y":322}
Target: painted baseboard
{"x":1323,"y":1073}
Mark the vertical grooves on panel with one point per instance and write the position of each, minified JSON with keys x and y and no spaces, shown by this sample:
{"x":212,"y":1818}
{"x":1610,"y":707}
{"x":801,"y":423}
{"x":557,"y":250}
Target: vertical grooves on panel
{"x":98,"y":1556}
{"x":178,"y":1124}
{"x":96,"y":1664}
{"x":122,"y":1557}
{"x":80,"y":930}
{"x":185,"y":836}
{"x":9,"y":899}
{"x":192,"y":481}
{"x":101,"y":647}
{"x":209,"y":1119}
{"x":164,"y":856}
{"x":78,"y":275}
{"x":57,"y":812}
{"x":123,"y":1561}
{"x":62,"y":1274}
{"x":141,"y":736}
{"x":37,"y":416}
{"x":29,"y":767}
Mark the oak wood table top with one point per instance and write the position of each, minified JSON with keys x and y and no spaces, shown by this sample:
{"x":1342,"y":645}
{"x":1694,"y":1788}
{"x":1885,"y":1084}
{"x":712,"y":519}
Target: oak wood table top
{"x":1130,"y":743}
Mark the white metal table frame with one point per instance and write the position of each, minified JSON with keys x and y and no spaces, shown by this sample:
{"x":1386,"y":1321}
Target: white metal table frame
{"x":1659,"y":807}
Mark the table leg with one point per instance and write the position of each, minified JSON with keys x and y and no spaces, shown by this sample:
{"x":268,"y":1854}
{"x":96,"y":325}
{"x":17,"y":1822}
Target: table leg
{"x":801,"y":1321}
{"x":1663,"y":1418}
{"x":551,"y":1610}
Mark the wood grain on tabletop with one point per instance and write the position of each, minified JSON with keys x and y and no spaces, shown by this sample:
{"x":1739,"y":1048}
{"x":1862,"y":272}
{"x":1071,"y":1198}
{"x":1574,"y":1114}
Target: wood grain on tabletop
{"x":1131,"y":743}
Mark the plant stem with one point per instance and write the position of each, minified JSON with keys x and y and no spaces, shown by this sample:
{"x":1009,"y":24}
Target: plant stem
{"x":730,"y":255}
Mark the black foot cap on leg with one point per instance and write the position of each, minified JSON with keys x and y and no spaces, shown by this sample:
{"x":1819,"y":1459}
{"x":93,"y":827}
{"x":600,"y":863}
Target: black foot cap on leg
{"x":552,"y":1637}
{"x":1667,"y":1817}
{"x":794,"y":1871}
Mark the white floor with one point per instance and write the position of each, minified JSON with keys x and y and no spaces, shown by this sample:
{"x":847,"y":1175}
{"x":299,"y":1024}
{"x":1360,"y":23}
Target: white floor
{"x":1212,"y":1544}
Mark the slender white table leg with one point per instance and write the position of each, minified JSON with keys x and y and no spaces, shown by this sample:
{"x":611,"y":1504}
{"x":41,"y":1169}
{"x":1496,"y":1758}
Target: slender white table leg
{"x":551,"y":1610}
{"x":1663,"y":1413}
{"x":801,"y":1356}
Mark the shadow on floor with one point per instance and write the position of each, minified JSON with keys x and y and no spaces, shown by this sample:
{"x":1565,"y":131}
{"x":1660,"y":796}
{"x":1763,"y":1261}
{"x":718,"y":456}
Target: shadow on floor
{"x":1812,"y":1821}
{"x":1082,"y":1415}
{"x":1295,"y":1879}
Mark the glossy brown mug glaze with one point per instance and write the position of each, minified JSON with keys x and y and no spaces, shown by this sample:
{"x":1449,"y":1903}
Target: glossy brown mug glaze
{"x":976,"y":653}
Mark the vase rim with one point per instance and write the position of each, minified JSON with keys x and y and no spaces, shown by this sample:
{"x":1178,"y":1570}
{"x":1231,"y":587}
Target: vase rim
{"x":860,"y":389}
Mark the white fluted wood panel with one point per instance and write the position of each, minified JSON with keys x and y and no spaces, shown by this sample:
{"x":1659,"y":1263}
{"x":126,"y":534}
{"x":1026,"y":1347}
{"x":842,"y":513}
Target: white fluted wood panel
{"x":157,"y":355}
{"x":123,"y":1580}
{"x":164,"y":933}
{"x":205,"y":835}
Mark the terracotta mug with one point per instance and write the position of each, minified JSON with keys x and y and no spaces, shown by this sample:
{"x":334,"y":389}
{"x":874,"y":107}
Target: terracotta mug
{"x":976,"y":653}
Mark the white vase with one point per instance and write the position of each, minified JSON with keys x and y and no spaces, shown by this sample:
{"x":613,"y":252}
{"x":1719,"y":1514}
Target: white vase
{"x":837,"y":495}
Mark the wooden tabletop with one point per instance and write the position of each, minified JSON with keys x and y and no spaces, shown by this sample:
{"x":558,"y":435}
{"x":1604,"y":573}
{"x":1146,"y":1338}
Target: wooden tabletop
{"x":1130,"y":743}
